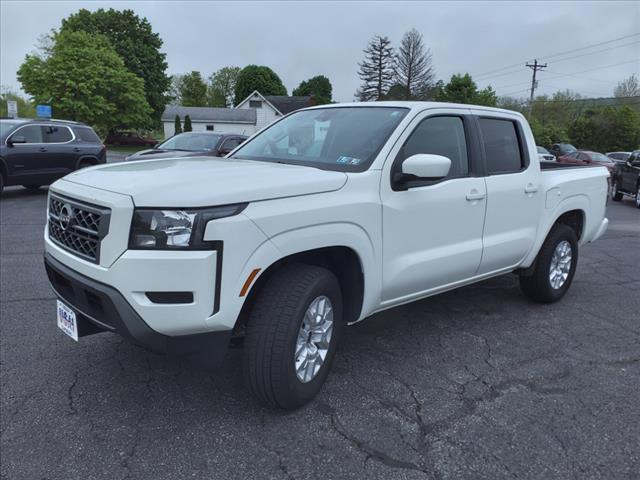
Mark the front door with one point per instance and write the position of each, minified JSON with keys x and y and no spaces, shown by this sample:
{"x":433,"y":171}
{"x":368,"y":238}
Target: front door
{"x":432,"y":230}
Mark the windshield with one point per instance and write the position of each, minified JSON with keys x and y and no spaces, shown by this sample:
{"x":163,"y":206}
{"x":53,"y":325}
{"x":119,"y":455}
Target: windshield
{"x":193,"y":142}
{"x":341,"y":138}
{"x":543,"y":150}
{"x":599,"y":157}
{"x":6,"y":126}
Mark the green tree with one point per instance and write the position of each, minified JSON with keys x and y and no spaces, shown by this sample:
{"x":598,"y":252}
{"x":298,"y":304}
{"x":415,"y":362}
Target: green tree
{"x":318,"y":86}
{"x":397,"y":92}
{"x":547,"y":135}
{"x":25,"y":107}
{"x":173,"y":94}
{"x":136,"y":43}
{"x":187,"y":124}
{"x":86,"y":80}
{"x":607,"y":129}
{"x":256,"y":77}
{"x":377,"y":70}
{"x":193,"y":90}
{"x":177,"y":127}
{"x":222,"y":87}
{"x":462,"y":89}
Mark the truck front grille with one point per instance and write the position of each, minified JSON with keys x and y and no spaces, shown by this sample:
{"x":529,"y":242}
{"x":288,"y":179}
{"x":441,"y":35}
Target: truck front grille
{"x":77,"y":226}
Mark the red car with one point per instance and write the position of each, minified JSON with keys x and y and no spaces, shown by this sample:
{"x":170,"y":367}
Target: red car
{"x":132,"y":139}
{"x":586,"y":157}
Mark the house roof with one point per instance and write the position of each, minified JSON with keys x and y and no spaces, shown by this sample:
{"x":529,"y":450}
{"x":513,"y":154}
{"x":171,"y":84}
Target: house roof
{"x":286,"y":104}
{"x":209,"y":114}
{"x":281,"y":103}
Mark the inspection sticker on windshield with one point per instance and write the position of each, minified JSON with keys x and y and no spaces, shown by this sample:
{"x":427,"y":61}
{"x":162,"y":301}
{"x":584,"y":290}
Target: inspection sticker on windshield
{"x":67,"y":321}
{"x":348,"y":160}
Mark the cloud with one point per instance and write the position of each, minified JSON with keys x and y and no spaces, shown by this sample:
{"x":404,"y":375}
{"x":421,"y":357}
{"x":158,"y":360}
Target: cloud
{"x":302,"y":39}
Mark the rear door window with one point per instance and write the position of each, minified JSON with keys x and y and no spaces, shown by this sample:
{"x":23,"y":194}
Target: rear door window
{"x":502,"y":147}
{"x":56,"y":134}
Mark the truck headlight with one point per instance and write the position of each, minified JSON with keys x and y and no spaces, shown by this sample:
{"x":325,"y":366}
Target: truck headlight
{"x":160,"y":229}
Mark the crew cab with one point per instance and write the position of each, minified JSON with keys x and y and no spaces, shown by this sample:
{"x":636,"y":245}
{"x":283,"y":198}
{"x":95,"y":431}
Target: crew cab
{"x":626,"y":179}
{"x":325,"y":217}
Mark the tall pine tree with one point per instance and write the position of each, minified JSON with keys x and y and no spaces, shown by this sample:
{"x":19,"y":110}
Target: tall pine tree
{"x":414,"y":67}
{"x":377,"y":70}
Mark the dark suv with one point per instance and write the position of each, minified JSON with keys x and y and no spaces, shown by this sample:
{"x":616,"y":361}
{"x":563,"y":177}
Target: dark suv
{"x":38,"y":152}
{"x":626,"y":179}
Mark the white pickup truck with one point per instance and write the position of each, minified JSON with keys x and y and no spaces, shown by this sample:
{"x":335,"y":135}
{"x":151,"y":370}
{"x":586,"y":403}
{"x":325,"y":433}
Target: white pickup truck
{"x":320,"y":220}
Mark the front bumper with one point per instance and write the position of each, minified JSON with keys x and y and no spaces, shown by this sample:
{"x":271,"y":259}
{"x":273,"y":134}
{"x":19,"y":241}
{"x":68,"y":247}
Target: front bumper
{"x":100,"y":307}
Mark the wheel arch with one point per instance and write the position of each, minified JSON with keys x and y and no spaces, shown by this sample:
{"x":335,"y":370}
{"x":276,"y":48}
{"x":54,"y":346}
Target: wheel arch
{"x":343,"y":261}
{"x":571,"y":212}
{"x":87,"y":158}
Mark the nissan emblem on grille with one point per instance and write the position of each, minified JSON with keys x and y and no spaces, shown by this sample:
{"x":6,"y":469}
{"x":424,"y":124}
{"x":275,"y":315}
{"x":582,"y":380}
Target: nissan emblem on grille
{"x":65,"y":217}
{"x":76,"y":226}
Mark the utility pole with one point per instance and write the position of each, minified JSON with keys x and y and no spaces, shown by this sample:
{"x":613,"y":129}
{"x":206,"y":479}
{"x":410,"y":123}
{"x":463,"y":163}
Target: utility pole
{"x":535,"y":66}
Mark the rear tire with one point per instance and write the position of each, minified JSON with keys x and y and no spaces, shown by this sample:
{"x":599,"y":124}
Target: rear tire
{"x":616,"y":196}
{"x":275,"y":347}
{"x":638,"y":196}
{"x":553,"y":268}
{"x":1,"y":182}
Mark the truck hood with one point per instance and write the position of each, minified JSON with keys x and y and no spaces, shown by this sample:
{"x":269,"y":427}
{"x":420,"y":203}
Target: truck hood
{"x":155,"y":153}
{"x":206,"y":181}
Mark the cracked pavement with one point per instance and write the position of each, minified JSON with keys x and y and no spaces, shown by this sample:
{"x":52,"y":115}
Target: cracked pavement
{"x":477,"y":383}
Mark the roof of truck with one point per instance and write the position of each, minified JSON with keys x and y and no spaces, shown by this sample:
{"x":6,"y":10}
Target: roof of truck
{"x":416,"y":106}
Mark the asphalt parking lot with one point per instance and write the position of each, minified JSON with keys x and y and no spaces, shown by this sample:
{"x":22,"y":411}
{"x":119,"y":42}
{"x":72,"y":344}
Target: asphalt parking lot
{"x":476,"y":384}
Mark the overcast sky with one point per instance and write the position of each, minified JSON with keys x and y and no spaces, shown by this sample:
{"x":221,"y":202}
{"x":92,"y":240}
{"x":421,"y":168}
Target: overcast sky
{"x":302,"y":39}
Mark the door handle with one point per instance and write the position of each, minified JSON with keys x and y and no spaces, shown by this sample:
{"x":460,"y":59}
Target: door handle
{"x":530,"y":188}
{"x":474,"y":195}
{"x":42,"y":149}
{"x":76,"y":149}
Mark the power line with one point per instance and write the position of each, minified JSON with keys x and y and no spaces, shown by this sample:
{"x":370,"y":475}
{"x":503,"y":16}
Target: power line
{"x":590,"y":46}
{"x":560,"y":54}
{"x":558,"y":74}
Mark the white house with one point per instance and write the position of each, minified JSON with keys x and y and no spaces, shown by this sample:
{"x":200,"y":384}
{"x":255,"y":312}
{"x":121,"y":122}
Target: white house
{"x":208,"y":119}
{"x":269,"y":107}
{"x":250,"y":115}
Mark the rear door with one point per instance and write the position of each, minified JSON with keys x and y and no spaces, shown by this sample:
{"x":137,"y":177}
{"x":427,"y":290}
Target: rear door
{"x":63,"y":151}
{"x":513,"y":192}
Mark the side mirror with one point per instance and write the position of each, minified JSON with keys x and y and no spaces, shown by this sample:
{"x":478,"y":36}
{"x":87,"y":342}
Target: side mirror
{"x":222,"y":152}
{"x":16,"y":139}
{"x":427,"y":166}
{"x":422,"y":166}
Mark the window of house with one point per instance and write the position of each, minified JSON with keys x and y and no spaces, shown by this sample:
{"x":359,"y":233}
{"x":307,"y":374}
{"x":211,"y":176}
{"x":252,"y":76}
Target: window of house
{"x":209,"y":128}
{"x":255,"y":103}
{"x":501,"y":146}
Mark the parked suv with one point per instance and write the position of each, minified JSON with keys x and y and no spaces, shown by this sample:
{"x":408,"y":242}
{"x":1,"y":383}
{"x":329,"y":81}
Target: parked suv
{"x":38,"y":152}
{"x":626,"y":179}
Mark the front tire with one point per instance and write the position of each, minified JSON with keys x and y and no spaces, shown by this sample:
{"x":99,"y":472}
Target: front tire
{"x":616,"y":196}
{"x":32,"y":187}
{"x":292,"y":335}
{"x":554,"y":266}
{"x":638,"y":196}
